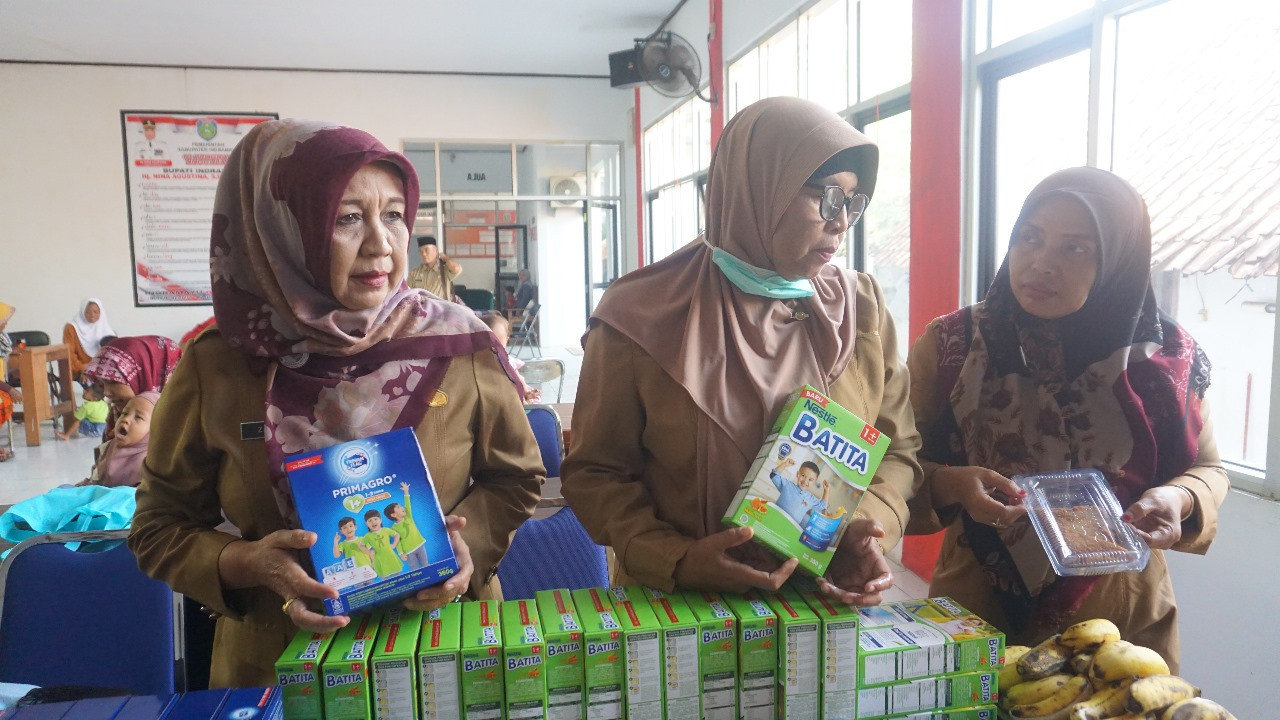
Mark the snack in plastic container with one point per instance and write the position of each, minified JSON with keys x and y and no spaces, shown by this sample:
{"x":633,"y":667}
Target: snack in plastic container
{"x":1077,"y":517}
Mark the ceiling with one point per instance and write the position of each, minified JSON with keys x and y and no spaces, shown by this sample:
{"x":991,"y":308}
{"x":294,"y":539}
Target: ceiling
{"x":508,"y":37}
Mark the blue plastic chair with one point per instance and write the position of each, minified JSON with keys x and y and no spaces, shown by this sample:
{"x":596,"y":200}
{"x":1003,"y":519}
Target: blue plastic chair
{"x":84,"y":618}
{"x":549,"y":553}
{"x":545,"y":422}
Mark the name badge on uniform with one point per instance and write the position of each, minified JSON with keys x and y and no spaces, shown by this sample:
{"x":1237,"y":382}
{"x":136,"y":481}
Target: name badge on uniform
{"x":253,"y":431}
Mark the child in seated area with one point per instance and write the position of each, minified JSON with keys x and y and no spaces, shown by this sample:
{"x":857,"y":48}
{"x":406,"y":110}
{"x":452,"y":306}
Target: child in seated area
{"x":502,"y":328}
{"x":122,"y":456}
{"x":90,"y":417}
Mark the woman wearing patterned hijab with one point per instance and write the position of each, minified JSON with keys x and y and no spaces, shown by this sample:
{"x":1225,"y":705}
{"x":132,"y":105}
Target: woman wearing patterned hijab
{"x":689,"y":360}
{"x":318,"y":341}
{"x":130,"y":366}
{"x":1068,"y":363}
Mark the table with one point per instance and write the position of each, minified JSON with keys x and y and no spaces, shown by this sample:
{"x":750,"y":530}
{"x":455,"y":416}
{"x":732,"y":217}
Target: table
{"x":37,"y":401}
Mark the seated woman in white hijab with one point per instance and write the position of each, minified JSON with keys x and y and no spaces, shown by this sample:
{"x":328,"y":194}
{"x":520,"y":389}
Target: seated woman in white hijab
{"x":83,"y":336}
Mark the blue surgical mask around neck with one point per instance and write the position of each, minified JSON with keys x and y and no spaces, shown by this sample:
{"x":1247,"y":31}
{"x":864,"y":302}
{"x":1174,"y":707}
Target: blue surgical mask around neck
{"x":756,"y":280}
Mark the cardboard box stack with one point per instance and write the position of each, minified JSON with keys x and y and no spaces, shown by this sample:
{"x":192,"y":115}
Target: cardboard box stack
{"x":634,"y":653}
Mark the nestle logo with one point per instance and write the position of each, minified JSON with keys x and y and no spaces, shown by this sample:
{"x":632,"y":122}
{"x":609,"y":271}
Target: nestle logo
{"x":946,"y":604}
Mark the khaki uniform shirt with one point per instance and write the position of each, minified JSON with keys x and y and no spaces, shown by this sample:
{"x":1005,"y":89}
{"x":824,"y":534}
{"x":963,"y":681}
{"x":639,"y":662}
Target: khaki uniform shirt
{"x":631,"y":472}
{"x":479,"y":448}
{"x":436,"y":280}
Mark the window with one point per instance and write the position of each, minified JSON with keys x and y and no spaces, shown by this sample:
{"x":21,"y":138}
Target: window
{"x":743,"y":82}
{"x":779,"y":61}
{"x":1035,"y":121}
{"x":884,"y":46}
{"x":1002,"y":20}
{"x":1189,"y":132}
{"x":677,"y":150}
{"x":886,"y":227}
{"x":825,"y":38}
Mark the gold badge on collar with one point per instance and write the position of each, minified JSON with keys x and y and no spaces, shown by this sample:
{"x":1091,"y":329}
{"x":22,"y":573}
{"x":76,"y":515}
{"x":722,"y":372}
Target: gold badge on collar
{"x":439,"y":399}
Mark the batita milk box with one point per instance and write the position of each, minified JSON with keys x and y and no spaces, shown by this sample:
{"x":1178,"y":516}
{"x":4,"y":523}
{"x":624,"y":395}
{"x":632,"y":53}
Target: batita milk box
{"x":605,"y":670}
{"x":439,"y":656}
{"x":565,"y":671}
{"x":808,"y":479}
{"x":372,"y":505}
{"x":482,"y":675}
{"x":298,"y":674}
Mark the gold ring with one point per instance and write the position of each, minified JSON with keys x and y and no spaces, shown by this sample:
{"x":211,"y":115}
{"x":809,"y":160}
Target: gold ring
{"x":285,"y":607}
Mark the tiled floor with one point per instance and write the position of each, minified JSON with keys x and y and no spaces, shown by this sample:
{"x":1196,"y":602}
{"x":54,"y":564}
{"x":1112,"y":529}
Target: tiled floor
{"x":35,"y":470}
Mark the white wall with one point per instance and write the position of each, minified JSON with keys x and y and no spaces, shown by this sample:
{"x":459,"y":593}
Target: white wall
{"x":63,"y":176}
{"x":1228,"y":601}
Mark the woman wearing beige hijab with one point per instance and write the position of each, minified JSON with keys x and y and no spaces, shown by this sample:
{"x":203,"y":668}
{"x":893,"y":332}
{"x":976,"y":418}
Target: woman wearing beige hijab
{"x":689,"y":360}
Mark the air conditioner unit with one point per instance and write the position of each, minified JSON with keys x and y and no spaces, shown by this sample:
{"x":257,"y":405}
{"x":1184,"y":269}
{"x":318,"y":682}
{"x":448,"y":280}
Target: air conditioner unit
{"x":574,"y":186}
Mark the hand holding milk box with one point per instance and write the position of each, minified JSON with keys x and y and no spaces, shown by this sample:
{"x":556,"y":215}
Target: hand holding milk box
{"x":381,"y":530}
{"x":808,"y":479}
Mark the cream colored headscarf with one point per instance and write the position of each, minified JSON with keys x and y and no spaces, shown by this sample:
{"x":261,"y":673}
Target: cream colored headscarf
{"x":740,"y":355}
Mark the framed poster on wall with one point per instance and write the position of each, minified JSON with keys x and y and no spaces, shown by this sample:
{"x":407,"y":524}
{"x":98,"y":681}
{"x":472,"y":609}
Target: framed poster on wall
{"x":172,"y":164}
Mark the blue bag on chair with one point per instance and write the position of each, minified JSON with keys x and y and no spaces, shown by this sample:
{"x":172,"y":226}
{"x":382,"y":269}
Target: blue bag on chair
{"x":72,"y":509}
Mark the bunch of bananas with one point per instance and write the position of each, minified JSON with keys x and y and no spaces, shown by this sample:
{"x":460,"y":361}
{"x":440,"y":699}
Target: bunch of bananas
{"x":1088,"y":673}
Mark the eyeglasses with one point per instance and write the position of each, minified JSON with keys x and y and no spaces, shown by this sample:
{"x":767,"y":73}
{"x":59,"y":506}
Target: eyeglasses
{"x":834,"y":200}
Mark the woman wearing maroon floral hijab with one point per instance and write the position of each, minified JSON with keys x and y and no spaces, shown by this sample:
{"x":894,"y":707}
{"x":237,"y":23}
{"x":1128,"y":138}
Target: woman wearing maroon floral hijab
{"x":1068,"y":363}
{"x":318,"y":341}
{"x":129,"y":366}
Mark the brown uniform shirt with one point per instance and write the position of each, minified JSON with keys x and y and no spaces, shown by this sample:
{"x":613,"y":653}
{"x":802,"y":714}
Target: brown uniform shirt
{"x":631,"y":472}
{"x":479,"y":448}
{"x":436,"y":280}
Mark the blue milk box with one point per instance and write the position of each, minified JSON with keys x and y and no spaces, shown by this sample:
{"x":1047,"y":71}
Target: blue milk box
{"x":258,"y":703}
{"x":380,"y":527}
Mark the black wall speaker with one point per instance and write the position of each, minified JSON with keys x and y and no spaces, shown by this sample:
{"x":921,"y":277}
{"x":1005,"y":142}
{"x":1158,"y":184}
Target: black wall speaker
{"x":624,"y":68}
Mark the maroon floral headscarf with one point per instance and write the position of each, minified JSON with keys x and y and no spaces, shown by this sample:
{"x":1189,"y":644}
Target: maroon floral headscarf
{"x":333,"y":374}
{"x":1116,"y":386}
{"x":144,"y":363}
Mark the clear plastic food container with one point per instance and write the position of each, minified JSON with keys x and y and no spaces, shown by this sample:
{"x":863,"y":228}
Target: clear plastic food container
{"x":1077,"y":517}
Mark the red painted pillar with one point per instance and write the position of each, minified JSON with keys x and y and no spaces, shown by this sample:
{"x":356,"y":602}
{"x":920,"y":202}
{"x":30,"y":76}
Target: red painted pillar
{"x":715,"y":62}
{"x":639,"y":134}
{"x":936,"y":90}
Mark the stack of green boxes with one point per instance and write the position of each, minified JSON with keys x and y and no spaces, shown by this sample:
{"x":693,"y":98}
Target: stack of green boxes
{"x":680,"y":654}
{"x":523,"y":684}
{"x":564,"y":668}
{"x":799,"y":656}
{"x":757,"y":656}
{"x":298,"y":673}
{"x":920,"y":655}
{"x":482,"y":677}
{"x":633,"y":653}
{"x":605,"y":668}
{"x":839,"y":656}
{"x":394,"y":666}
{"x":439,"y":652}
{"x":642,"y":650}
{"x":717,"y":654}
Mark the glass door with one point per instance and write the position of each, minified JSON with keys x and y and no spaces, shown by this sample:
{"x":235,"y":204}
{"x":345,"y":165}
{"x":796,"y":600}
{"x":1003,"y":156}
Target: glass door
{"x":600,"y":236}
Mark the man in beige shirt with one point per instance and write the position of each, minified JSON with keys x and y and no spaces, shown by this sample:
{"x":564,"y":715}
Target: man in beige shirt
{"x":437,"y":271}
